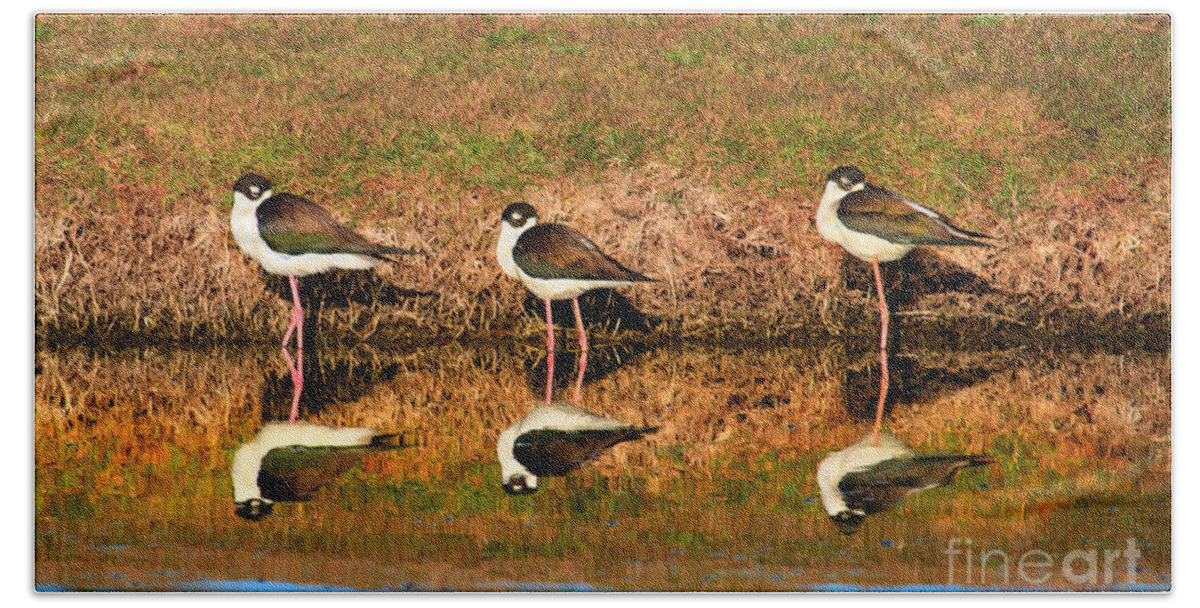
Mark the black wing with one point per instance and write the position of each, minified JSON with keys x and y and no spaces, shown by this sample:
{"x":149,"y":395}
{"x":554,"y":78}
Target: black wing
{"x":549,"y":453}
{"x":295,"y":225}
{"x":554,"y":251}
{"x":884,"y":485}
{"x":295,"y":473}
{"x":896,"y":219}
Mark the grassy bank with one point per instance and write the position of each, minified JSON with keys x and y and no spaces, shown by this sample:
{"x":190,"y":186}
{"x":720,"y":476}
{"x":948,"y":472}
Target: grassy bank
{"x":690,"y":147}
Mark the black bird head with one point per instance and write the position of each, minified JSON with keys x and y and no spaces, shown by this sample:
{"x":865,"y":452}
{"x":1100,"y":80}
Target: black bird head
{"x":253,"y":509}
{"x":517,"y":214}
{"x":253,"y":186}
{"x":847,"y":522}
{"x":846,"y":177}
{"x":518,"y":485}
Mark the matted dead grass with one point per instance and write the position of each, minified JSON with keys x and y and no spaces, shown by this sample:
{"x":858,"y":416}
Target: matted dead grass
{"x":723,"y":263}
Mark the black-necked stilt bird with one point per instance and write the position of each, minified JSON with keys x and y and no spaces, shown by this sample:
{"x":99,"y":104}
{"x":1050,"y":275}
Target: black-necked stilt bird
{"x":290,"y":462}
{"x":552,"y":441}
{"x":293,"y":236}
{"x":875,"y":226}
{"x":557,"y":262}
{"x":875,"y":475}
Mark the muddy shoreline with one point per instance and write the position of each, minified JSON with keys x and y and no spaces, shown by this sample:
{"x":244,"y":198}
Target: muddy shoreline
{"x":1076,"y":330}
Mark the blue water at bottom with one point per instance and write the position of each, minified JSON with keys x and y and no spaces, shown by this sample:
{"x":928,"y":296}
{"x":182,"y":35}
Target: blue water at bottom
{"x":842,"y":588}
{"x":264,"y":586}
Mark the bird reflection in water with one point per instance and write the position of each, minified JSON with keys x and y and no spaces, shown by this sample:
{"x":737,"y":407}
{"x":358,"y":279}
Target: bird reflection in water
{"x":290,"y":462}
{"x":552,"y":441}
{"x":866,"y":478}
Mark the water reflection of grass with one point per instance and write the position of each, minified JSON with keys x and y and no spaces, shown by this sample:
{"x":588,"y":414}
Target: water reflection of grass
{"x":589,"y":529}
{"x":134,"y":451}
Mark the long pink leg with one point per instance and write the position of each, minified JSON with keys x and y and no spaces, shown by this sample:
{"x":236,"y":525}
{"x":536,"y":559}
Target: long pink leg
{"x":296,"y":369}
{"x":549,"y":353}
{"x":583,"y":350}
{"x":292,"y":324}
{"x":883,"y":358}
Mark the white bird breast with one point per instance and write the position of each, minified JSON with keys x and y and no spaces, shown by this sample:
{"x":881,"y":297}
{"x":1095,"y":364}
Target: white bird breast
{"x":863,"y":246}
{"x":868,"y":246}
{"x":565,"y":289}
{"x":506,"y":244}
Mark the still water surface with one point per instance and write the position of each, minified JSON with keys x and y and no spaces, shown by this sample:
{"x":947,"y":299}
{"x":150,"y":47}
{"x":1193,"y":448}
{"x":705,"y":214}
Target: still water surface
{"x":134,"y":450}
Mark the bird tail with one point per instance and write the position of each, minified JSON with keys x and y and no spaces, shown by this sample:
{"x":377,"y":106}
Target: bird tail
{"x":384,"y":251}
{"x":960,"y":461}
{"x":632,"y":434}
{"x":633,"y":276}
{"x":390,"y":441}
{"x":946,"y":467}
{"x":968,"y":238}
{"x":974,"y":242}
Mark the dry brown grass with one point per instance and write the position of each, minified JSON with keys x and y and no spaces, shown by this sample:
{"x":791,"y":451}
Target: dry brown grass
{"x":690,"y":147}
{"x":722,"y":262}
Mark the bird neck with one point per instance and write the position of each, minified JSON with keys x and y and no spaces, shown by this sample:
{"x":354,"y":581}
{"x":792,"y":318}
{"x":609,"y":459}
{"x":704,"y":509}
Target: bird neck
{"x":244,"y":204}
{"x":244,"y":218}
{"x":828,"y":474}
{"x":827,"y":222}
{"x":247,"y":462}
{"x":506,"y":243}
{"x":509,"y":465}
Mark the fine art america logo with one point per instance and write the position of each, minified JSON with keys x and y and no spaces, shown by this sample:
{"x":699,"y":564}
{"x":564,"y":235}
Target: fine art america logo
{"x":976,"y":566}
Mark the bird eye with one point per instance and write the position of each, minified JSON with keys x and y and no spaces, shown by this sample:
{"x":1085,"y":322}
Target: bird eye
{"x":254,"y":190}
{"x":517,"y":217}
